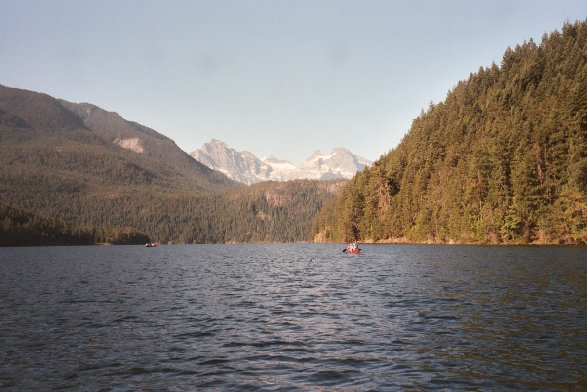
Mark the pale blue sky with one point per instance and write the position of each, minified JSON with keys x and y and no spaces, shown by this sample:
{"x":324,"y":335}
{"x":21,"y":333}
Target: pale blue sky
{"x":270,"y":77}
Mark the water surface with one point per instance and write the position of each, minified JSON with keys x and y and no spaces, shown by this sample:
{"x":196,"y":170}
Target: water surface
{"x":293,"y":317}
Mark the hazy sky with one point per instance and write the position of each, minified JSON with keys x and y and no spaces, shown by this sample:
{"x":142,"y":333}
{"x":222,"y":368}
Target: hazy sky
{"x":271,"y":77}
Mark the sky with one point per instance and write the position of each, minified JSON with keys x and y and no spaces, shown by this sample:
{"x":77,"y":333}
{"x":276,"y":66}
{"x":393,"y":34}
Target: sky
{"x":272,"y":77}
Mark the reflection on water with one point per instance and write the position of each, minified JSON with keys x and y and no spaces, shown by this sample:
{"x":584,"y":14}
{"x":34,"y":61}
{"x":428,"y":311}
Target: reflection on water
{"x":299,"y":317}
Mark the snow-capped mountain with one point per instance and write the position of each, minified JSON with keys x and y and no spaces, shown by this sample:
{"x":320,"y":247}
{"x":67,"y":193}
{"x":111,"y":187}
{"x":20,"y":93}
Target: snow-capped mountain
{"x":340,"y":163}
{"x":240,"y":166}
{"x":248,"y":169}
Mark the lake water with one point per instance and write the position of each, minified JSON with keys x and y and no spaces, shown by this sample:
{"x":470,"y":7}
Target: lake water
{"x":293,"y":317}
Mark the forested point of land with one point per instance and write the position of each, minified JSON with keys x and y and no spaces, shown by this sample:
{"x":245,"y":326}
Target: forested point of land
{"x":19,"y":228}
{"x":501,"y":161}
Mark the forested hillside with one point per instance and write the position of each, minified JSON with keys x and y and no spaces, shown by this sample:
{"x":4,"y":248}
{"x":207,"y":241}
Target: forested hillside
{"x":264,"y":212}
{"x":92,"y":174}
{"x":502,"y":160}
{"x":153,"y":149}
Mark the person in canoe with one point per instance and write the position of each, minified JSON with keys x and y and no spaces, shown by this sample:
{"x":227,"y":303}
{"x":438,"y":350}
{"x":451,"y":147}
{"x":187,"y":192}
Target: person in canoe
{"x":352,"y":247}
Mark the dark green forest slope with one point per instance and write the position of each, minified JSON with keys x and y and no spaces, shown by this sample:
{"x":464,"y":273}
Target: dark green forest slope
{"x":501,"y":160}
{"x":18,"y":228}
{"x":66,"y":162}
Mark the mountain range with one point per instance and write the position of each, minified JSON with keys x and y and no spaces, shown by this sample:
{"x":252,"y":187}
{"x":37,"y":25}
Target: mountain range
{"x":246,"y":168}
{"x":73,"y":173}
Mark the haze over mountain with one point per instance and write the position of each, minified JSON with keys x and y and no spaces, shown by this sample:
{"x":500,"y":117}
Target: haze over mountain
{"x":245,"y":167}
